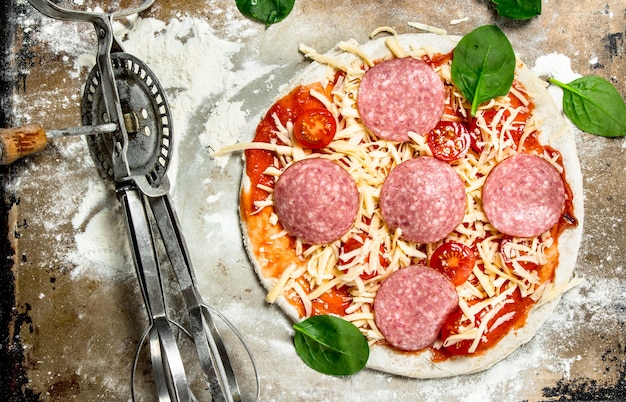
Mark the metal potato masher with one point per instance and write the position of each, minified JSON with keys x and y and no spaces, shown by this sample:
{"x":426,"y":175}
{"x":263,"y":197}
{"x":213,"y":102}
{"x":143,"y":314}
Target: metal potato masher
{"x":128,"y":127}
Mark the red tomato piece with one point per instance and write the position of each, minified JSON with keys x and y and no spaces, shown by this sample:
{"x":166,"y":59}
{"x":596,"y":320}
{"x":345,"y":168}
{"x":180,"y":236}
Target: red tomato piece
{"x":454,"y":260}
{"x":314,"y":128}
{"x":350,"y":245}
{"x":449,"y":141}
{"x":476,"y":137}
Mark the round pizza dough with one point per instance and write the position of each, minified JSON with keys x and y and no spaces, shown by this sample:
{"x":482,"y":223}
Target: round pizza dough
{"x":555,"y":131}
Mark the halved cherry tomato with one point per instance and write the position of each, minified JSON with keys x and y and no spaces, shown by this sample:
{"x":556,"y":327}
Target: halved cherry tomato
{"x":314,"y":128}
{"x":454,"y":260}
{"x":449,"y":141}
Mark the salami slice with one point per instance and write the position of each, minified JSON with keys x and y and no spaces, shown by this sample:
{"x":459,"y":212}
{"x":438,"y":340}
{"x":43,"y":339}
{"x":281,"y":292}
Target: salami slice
{"x":425,"y":198}
{"x":316,"y":200}
{"x":412,"y":305}
{"x":401,"y":95}
{"x":524,"y":196}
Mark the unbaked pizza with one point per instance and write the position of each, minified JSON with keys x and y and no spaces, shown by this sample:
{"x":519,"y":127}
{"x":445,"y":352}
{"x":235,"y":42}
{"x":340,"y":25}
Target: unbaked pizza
{"x":370,"y":192}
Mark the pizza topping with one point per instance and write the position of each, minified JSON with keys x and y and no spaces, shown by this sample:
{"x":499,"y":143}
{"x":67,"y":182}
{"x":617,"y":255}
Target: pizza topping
{"x":331,"y":345}
{"x":449,"y":141}
{"x":454,"y":260}
{"x":427,"y":28}
{"x":314,"y":128}
{"x":424,"y":198}
{"x":344,"y":277}
{"x":483,"y":65}
{"x":412,"y":305}
{"x":463,"y":335}
{"x":316,"y":200}
{"x":477,"y":142}
{"x":399,"y":96}
{"x":524,"y":196}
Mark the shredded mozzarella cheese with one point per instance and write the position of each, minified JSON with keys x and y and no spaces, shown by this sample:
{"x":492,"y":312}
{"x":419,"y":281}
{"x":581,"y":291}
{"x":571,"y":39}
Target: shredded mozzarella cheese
{"x":427,"y":28}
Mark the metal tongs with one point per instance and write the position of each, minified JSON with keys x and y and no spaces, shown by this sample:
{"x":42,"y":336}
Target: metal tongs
{"x":123,"y":91}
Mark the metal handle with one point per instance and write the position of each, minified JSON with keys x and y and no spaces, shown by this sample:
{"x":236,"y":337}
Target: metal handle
{"x":167,"y":363}
{"x":209,"y":345}
{"x":107,"y":43}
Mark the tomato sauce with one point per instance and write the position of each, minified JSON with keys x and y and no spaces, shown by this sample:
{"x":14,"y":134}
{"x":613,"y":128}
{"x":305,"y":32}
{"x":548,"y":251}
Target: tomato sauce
{"x":257,"y":161}
{"x":333,"y":302}
{"x":519,"y":307}
{"x":285,"y":109}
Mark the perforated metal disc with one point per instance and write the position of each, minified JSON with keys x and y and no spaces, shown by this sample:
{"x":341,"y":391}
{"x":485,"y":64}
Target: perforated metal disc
{"x":147,"y":119}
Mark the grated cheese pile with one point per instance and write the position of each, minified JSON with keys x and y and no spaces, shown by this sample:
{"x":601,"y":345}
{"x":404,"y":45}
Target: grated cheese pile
{"x":502,"y":266}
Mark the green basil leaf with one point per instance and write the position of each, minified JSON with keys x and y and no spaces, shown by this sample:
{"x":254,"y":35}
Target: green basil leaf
{"x":594,"y":106}
{"x":518,"y":9}
{"x":266,"y":11}
{"x":331,"y":345}
{"x":483,"y":65}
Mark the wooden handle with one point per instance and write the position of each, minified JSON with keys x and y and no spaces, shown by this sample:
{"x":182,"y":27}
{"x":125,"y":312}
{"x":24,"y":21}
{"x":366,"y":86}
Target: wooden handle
{"x":18,"y":142}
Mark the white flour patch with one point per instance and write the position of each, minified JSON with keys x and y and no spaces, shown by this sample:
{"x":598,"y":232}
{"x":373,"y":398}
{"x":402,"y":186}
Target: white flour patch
{"x":96,"y":193}
{"x":559,"y":67}
{"x":102,"y":249}
{"x":197,"y":72}
{"x":219,"y":128}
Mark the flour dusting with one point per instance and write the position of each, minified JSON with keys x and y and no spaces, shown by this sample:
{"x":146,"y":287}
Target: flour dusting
{"x":195,"y":67}
{"x":209,"y":80}
{"x":196,"y":70}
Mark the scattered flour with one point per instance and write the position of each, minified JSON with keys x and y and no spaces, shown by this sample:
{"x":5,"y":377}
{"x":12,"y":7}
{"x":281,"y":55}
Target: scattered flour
{"x":195,"y":68}
{"x":102,"y":248}
{"x":193,"y":65}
